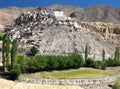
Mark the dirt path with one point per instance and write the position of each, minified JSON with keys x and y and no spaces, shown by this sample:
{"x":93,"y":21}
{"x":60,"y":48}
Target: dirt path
{"x":7,"y":84}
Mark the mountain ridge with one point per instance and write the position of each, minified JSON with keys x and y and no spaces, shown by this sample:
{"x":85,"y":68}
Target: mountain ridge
{"x":38,"y":28}
{"x":97,"y":13}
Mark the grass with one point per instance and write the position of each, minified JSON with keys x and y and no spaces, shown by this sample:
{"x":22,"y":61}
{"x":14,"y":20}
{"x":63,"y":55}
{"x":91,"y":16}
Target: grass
{"x":78,"y":73}
{"x":117,"y":84}
{"x":87,"y":73}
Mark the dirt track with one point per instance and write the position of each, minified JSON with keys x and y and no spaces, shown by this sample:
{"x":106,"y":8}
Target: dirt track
{"x":7,"y":84}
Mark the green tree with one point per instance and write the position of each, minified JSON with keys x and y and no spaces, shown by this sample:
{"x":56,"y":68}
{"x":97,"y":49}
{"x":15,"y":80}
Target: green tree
{"x":86,"y":52}
{"x":6,"y":51}
{"x":1,"y":35}
{"x":34,"y":50}
{"x":3,"y":52}
{"x":103,"y":55}
{"x":117,"y":54}
{"x":14,"y":53}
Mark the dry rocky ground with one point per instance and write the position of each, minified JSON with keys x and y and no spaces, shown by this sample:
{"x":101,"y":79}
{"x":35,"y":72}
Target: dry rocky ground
{"x":7,"y":84}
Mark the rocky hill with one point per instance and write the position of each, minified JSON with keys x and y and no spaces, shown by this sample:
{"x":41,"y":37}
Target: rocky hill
{"x":64,"y":30}
{"x":9,"y":14}
{"x":5,"y":19}
{"x":98,"y":13}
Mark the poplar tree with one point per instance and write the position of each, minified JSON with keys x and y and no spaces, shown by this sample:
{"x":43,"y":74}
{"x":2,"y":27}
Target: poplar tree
{"x":86,"y":52}
{"x":7,"y":49}
{"x":103,"y":55}
{"x":3,"y":51}
{"x":14,"y":53}
{"x":117,"y":54}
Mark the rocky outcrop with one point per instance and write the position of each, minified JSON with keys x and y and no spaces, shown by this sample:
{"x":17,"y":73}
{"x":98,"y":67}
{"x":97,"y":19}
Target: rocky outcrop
{"x":107,"y":28}
{"x":6,"y":19}
{"x":62,"y":37}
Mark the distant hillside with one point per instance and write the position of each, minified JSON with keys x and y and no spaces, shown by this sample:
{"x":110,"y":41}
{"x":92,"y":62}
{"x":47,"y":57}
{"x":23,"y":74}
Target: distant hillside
{"x":94,"y":13}
{"x":52,"y":36}
{"x":16,"y":11}
{"x":5,"y":19}
{"x":7,"y":15}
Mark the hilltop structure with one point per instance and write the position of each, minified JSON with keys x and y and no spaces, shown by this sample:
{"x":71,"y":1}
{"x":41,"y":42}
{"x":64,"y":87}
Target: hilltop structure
{"x":55,"y":33}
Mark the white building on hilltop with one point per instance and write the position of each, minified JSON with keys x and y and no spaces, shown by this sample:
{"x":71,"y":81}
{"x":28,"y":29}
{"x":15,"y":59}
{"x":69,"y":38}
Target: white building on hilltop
{"x":59,"y":15}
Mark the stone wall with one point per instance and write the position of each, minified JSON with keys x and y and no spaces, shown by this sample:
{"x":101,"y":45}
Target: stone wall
{"x":104,"y":80}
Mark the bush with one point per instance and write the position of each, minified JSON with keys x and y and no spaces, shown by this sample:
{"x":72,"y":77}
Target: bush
{"x":62,"y":62}
{"x":116,"y":85}
{"x":22,"y":63}
{"x":112,"y":62}
{"x":94,"y":64}
{"x":90,"y":62}
{"x":77,"y":60}
{"x":98,"y":64}
{"x":34,"y":50}
{"x":104,"y":66}
{"x":14,"y":73}
{"x":43,"y":63}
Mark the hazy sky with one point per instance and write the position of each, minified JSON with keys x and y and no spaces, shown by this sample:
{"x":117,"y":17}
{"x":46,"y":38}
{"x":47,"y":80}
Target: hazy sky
{"x":80,"y":3}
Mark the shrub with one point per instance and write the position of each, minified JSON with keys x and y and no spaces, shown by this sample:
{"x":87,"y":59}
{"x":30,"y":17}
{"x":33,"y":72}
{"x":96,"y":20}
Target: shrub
{"x":14,"y":73}
{"x":22,"y":62}
{"x":62,"y":62}
{"x":1,"y":36}
{"x":116,"y":85}
{"x":104,"y":66}
{"x":98,"y":64}
{"x":112,"y":62}
{"x":34,"y":50}
{"x":77,"y":60}
{"x":90,"y":62}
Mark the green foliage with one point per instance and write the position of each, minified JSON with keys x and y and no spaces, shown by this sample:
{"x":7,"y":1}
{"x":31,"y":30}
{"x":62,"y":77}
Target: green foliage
{"x":52,"y":63}
{"x":77,"y":60}
{"x":116,"y":85}
{"x":21,"y":61}
{"x":98,"y":64}
{"x":1,"y":36}
{"x":103,"y":55}
{"x":14,"y":53}
{"x":34,"y":50}
{"x":3,"y":52}
{"x":117,"y":54}
{"x":104,"y":66}
{"x":42,"y":63}
{"x":90,"y":62}
{"x":86,"y":52}
{"x":112,"y":62}
{"x":6,"y":51}
{"x":14,"y":73}
{"x":94,"y":64}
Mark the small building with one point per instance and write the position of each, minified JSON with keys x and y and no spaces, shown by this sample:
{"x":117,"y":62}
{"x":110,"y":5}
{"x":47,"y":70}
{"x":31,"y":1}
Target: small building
{"x":59,"y":15}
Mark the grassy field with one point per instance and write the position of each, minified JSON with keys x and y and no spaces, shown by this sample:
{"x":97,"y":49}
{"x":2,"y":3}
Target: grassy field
{"x":78,"y":73}
{"x":117,"y":84}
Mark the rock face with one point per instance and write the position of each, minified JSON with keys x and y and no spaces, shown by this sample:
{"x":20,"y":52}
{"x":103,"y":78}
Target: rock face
{"x":6,"y":19}
{"x":98,"y":13}
{"x":9,"y":14}
{"x":44,"y":28}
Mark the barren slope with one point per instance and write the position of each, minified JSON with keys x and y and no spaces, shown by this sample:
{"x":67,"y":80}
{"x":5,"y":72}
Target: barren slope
{"x":7,"y":84}
{"x":6,"y":19}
